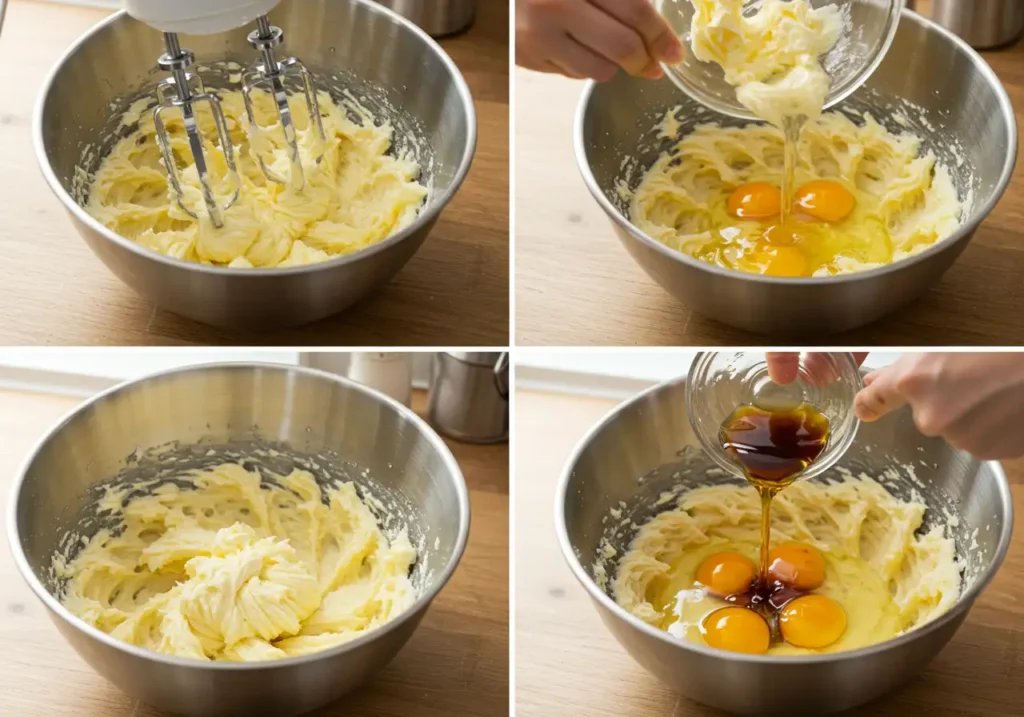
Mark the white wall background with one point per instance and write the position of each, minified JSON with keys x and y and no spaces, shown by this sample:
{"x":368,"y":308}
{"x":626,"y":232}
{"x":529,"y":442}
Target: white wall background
{"x":127,"y":363}
{"x":85,"y":371}
{"x":109,"y":4}
{"x":614,"y":373}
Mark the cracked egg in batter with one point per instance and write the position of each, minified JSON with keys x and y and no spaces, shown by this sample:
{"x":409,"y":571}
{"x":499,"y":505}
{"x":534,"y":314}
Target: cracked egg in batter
{"x":864,"y":197}
{"x":850,"y":562}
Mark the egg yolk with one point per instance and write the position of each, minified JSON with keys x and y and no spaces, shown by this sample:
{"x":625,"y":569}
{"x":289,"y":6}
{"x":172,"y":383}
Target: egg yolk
{"x":825,"y":200}
{"x":784,"y":261}
{"x":782,"y":234}
{"x":756,"y":200}
{"x":736,"y":629}
{"x":812,"y":621}
{"x":796,"y":565}
{"x":726,"y":574}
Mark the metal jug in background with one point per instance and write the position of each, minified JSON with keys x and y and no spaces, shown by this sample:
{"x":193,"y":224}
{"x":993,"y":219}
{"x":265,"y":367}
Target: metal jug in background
{"x":437,"y":17}
{"x":981,"y":23}
{"x":469,"y":396}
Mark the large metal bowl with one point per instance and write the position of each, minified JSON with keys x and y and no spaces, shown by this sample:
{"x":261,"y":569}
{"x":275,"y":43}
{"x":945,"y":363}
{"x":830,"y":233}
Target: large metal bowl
{"x":952,"y":99}
{"x":219,"y":412}
{"x":649,"y":438}
{"x":348,"y":44}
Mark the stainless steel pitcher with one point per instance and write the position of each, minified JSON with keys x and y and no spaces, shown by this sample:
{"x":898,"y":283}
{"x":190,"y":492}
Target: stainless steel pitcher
{"x":981,"y":23}
{"x":469,"y":394}
{"x":437,"y":17}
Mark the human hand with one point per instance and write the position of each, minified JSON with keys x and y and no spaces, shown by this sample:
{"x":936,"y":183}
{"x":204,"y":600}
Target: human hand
{"x":592,"y":38}
{"x":784,"y":368}
{"x":975,"y":401}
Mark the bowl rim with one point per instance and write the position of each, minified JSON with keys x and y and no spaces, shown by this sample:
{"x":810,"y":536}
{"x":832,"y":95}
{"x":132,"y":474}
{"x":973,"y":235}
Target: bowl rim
{"x":964,"y":601}
{"x":962,"y":233}
{"x":422,"y":601}
{"x":429,"y":212}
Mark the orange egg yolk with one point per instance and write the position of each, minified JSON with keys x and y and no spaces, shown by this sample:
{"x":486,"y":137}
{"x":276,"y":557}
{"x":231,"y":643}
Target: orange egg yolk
{"x":736,"y":629}
{"x":784,"y":261}
{"x":796,"y":565}
{"x":825,"y":200}
{"x":756,"y":200}
{"x":726,"y":574}
{"x":782,"y":234}
{"x":812,"y":621}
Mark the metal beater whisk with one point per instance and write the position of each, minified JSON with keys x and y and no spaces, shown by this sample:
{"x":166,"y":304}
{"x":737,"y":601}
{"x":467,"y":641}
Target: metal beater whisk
{"x":177,"y":92}
{"x":272,"y":73}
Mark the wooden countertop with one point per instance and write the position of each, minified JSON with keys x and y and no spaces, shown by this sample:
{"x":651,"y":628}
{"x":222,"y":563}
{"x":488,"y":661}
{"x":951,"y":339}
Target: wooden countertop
{"x":455,"y":664}
{"x":567,"y":253}
{"x":567,"y":663}
{"x":53,"y":290}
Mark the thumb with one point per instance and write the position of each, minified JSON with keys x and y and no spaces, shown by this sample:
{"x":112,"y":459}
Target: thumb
{"x":880,"y":396}
{"x":783,"y":368}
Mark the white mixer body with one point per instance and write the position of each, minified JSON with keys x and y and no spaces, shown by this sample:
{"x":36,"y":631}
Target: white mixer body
{"x":198,"y":17}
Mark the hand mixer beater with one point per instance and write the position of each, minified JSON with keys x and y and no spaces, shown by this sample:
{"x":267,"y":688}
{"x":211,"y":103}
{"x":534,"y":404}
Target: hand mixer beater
{"x":185,"y":91}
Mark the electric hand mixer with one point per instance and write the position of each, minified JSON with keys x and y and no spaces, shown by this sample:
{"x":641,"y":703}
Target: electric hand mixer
{"x":184,"y":90}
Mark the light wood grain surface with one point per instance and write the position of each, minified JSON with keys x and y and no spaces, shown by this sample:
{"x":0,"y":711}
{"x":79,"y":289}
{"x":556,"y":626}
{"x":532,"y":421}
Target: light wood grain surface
{"x":577,"y":285}
{"x":454,"y":292}
{"x":567,"y":663}
{"x":455,"y":664}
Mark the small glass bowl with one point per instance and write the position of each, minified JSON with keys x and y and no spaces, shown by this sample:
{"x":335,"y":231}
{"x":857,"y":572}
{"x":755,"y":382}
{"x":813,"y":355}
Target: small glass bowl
{"x":719,"y":382}
{"x":869,"y":27}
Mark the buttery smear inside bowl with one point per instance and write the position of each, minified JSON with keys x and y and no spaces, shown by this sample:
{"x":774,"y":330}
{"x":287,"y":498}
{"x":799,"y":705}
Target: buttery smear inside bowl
{"x":848,"y":542}
{"x":806,"y":194}
{"x":231,"y":562}
{"x":360,"y":192}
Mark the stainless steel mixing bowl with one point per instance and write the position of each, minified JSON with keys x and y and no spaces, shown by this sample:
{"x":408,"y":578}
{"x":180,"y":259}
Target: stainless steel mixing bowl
{"x":949,"y":96}
{"x":646,"y":446}
{"x":348,"y":44}
{"x":233,"y":411}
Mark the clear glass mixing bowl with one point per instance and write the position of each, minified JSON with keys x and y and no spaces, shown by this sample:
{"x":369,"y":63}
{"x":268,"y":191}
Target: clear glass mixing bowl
{"x":869,"y":27}
{"x":719,"y":382}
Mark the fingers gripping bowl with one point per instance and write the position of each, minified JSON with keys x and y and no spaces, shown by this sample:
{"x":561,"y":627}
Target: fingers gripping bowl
{"x":646,"y":448}
{"x":389,"y":65}
{"x":944,"y":93}
{"x":273,"y":419}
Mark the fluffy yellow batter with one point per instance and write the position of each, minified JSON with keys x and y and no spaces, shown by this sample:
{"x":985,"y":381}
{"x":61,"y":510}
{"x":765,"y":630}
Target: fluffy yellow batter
{"x":355,"y":197}
{"x":771,"y":56}
{"x":235,"y":571}
{"x":887,"y":578}
{"x":905,"y":199}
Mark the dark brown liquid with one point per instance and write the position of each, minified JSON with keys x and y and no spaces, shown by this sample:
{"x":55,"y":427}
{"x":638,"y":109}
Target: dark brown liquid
{"x":774,"y":446}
